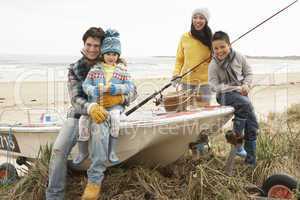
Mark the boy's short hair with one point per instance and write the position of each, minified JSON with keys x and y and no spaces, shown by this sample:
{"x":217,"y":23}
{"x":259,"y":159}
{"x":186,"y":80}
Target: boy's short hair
{"x":220,"y":35}
{"x":94,"y":33}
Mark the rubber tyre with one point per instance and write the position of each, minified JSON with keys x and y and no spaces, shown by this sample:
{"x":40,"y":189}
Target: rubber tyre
{"x":279,"y":179}
{"x":11,"y":176}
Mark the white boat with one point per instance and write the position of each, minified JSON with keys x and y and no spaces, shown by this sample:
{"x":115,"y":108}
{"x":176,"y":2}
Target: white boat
{"x":145,"y":137}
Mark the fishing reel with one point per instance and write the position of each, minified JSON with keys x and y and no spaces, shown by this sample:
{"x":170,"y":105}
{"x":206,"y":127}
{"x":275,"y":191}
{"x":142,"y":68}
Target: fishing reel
{"x":158,"y":100}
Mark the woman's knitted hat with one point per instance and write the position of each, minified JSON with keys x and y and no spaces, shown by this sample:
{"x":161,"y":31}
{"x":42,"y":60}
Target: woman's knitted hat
{"x":202,"y":11}
{"x":111,"y":42}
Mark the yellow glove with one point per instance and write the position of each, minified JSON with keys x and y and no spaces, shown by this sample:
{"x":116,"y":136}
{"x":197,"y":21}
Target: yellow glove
{"x":109,"y":100}
{"x":97,"y":113}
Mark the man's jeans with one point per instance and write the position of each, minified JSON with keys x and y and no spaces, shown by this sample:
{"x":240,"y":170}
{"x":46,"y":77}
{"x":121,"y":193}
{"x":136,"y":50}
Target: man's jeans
{"x":62,"y":147}
{"x":244,"y":116}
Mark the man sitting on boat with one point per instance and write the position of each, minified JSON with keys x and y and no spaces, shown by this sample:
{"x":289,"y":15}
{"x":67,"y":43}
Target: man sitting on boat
{"x":68,"y":135}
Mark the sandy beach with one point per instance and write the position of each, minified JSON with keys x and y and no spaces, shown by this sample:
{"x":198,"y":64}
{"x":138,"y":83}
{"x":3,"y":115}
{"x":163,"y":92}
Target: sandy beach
{"x":25,"y":101}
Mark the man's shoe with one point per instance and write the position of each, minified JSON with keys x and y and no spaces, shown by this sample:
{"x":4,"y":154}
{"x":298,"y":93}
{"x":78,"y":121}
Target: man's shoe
{"x":91,"y":192}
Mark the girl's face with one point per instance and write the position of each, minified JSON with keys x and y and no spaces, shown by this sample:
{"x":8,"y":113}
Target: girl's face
{"x":198,"y":21}
{"x":111,"y":58}
{"x":221,"y":49}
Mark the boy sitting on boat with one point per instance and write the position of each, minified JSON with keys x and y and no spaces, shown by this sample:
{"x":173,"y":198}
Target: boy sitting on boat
{"x":230,"y":76}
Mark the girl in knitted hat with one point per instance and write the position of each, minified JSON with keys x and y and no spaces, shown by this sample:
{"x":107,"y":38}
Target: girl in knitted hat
{"x":194,"y":48}
{"x":105,"y":79}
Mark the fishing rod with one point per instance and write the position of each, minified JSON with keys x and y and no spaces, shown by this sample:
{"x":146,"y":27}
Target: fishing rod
{"x":205,"y":60}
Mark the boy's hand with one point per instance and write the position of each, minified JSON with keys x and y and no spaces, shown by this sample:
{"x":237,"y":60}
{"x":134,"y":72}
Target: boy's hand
{"x":97,"y":113}
{"x":245,"y":90}
{"x":109,"y":100}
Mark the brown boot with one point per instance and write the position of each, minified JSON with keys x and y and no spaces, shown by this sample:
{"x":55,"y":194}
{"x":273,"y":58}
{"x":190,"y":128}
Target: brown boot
{"x":91,"y":191}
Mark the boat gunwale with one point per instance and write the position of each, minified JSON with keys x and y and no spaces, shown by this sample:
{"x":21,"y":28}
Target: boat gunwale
{"x":54,"y":128}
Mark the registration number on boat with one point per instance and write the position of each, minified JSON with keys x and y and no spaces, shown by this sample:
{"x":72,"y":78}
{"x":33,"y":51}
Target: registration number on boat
{"x":9,"y":143}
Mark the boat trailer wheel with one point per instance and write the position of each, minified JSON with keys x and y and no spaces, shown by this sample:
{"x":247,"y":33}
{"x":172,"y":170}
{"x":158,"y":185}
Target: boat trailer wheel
{"x":8,"y":174}
{"x":279,"y":186}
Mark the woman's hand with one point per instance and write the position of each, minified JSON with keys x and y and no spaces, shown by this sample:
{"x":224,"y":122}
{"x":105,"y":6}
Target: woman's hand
{"x":175,"y":80}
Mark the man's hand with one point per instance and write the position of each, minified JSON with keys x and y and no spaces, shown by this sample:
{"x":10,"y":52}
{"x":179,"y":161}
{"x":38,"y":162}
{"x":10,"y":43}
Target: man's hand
{"x":109,"y":100}
{"x":88,"y":60}
{"x":97,"y":113}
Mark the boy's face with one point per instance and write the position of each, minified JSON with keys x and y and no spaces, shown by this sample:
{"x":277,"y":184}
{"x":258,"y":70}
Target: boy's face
{"x":221,"y":49}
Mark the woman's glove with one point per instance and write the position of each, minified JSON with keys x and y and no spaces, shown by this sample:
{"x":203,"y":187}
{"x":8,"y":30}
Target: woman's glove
{"x":97,"y":113}
{"x":109,"y":100}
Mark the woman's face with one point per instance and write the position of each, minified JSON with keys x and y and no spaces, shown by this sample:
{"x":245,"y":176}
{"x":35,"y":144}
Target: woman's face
{"x":199,"y":22}
{"x":110,"y":58}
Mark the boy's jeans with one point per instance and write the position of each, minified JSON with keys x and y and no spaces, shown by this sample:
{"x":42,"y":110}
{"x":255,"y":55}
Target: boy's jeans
{"x":244,"y":116}
{"x":62,"y":147}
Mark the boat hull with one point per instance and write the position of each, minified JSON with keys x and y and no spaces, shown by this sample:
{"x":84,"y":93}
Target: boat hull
{"x":156,"y":140}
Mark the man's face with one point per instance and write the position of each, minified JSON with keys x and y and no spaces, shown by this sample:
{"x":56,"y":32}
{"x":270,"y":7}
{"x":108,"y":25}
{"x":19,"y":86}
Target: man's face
{"x":221,"y":49}
{"x":92,"y":48}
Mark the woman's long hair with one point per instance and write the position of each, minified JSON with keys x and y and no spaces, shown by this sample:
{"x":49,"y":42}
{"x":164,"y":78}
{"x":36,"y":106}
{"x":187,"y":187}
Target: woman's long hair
{"x":203,"y":36}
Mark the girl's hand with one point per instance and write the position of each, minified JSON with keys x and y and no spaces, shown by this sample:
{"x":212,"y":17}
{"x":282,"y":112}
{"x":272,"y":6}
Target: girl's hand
{"x":107,"y":88}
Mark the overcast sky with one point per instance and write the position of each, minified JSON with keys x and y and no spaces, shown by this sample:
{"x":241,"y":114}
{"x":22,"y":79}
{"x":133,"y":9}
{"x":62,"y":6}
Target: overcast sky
{"x":147,"y":28}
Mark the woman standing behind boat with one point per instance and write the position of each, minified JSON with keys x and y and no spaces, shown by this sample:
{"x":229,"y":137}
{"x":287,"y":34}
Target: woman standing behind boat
{"x":194,"y":48}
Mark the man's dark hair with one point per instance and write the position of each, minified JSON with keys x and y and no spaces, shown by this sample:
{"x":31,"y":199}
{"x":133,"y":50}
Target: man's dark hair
{"x":94,"y":33}
{"x":220,"y":35}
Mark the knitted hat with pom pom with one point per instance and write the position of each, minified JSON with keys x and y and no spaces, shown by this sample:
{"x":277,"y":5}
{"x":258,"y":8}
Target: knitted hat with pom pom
{"x":111,"y":42}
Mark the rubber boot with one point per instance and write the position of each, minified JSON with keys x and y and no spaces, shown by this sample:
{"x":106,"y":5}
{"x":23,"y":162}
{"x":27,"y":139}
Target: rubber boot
{"x":83,"y":148}
{"x":91,"y":191}
{"x":250,"y":147}
{"x":240,"y":151}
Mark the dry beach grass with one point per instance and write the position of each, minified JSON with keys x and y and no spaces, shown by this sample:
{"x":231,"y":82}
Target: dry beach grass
{"x":187,"y":179}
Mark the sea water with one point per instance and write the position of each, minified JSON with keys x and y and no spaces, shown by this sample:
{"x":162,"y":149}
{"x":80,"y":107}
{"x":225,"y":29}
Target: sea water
{"x":54,"y":68}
